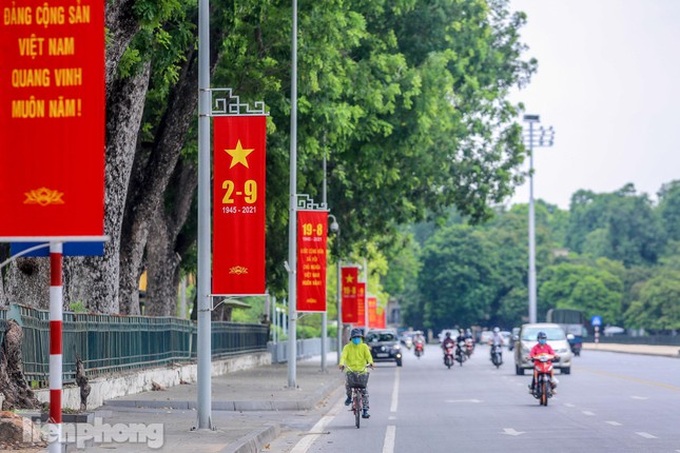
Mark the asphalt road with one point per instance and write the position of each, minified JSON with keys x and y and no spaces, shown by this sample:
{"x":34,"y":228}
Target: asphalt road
{"x":610,"y":402}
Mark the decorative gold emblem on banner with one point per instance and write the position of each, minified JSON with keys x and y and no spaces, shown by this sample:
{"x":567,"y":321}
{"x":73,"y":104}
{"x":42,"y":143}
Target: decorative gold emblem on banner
{"x":238,"y":270}
{"x":44,"y":197}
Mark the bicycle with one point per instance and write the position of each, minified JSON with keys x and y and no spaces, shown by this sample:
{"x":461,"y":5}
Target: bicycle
{"x":357,"y":381}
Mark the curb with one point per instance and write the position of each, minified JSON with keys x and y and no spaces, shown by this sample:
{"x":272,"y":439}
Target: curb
{"x":254,"y":441}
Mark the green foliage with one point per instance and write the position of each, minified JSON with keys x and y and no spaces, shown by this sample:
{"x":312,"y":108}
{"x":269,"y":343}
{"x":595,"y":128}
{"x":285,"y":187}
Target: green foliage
{"x":77,"y":307}
{"x":621,"y":226}
{"x":582,"y":287}
{"x":657,"y":308}
{"x":669,"y":209}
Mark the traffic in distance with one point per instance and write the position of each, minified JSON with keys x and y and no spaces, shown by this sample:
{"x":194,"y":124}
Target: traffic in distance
{"x":559,"y":401}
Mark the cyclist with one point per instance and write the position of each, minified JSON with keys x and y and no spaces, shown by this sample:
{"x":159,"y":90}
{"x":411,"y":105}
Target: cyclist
{"x":543,"y":348}
{"x":356,"y":355}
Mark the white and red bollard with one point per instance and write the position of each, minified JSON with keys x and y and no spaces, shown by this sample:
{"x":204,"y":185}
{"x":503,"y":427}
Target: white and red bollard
{"x":55,"y":370}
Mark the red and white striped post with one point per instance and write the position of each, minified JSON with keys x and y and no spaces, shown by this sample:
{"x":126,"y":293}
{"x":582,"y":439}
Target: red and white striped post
{"x":56,"y":319}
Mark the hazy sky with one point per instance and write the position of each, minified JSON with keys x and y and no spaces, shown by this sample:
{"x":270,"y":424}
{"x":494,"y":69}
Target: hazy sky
{"x":608,"y":81}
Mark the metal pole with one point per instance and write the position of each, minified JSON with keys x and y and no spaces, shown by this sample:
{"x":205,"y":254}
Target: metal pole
{"x":204,"y":301}
{"x":324,"y":315}
{"x":292,"y":223}
{"x":532,"y":233}
{"x":366,"y":294}
{"x":55,"y":366}
{"x":544,"y":137}
{"x":339,"y":302}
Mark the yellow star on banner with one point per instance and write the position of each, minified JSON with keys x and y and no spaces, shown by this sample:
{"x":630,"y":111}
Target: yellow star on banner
{"x":238,"y":155}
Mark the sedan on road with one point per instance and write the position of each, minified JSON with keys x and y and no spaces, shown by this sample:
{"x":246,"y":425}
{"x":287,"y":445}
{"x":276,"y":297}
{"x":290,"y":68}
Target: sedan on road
{"x":384,"y":346}
{"x":557,"y":339}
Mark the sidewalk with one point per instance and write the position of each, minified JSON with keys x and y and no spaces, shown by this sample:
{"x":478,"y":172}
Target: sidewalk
{"x":249,"y":410}
{"x":667,"y":351}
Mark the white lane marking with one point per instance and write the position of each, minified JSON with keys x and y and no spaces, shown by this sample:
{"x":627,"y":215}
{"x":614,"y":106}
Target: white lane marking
{"x":463,"y":401}
{"x":639,"y":397}
{"x":512,"y":432}
{"x":646,"y":435}
{"x":588,"y":413}
{"x":391,"y":417}
{"x":308,"y":440}
{"x":395,"y":392}
{"x":570,"y":405}
{"x":390,"y":436}
{"x":613,"y":423}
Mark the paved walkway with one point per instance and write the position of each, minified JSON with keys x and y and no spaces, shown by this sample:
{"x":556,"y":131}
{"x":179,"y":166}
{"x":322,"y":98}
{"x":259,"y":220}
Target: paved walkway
{"x":249,"y":409}
{"x":669,"y":351}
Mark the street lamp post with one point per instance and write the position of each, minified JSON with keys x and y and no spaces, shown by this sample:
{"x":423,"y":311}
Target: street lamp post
{"x":541,"y":137}
{"x":335,"y":228}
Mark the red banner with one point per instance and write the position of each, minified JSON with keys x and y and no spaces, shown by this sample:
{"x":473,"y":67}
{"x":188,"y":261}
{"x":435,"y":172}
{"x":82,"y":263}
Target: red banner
{"x":361,"y":304}
{"x":381,"y":317}
{"x":311,"y":260}
{"x":349,"y":294}
{"x":52,"y":118}
{"x":239,"y":205}
{"x":372,"y":303}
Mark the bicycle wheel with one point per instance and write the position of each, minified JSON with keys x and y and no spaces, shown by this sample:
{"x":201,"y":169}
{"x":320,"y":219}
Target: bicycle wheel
{"x":357,"y":408}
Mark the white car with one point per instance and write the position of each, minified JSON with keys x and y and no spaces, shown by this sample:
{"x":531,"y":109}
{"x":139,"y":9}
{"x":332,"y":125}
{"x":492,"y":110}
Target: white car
{"x":557,"y":339}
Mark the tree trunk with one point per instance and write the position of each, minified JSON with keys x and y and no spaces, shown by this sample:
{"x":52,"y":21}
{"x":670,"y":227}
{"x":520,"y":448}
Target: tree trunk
{"x":18,"y":394}
{"x":94,"y":280}
{"x":28,"y":282}
{"x":165,"y":243}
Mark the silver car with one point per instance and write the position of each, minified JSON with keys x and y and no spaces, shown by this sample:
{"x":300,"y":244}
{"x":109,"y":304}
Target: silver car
{"x":557,"y":339}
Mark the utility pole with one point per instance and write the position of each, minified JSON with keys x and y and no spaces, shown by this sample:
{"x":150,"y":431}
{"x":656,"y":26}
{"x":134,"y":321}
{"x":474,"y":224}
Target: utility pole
{"x":541,"y":137}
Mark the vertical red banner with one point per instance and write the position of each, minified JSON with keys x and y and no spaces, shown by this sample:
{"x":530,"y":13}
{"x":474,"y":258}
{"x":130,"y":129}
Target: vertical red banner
{"x":381,"y":317}
{"x":52,"y":118}
{"x":311,"y":260}
{"x":239,"y":205}
{"x":361,"y":304}
{"x":372,"y":303}
{"x":349,"y":277}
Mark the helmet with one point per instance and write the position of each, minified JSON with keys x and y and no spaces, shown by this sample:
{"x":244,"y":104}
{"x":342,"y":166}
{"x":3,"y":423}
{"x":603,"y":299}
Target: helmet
{"x":461,"y":331}
{"x":541,"y":336}
{"x":496,"y":329}
{"x":356,"y":333}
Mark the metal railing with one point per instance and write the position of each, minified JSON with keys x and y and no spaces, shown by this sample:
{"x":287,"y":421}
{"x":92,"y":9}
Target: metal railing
{"x":108,"y":343}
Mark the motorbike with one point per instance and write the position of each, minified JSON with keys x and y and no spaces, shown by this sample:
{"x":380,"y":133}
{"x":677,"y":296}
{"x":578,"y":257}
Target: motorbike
{"x":469,"y":347}
{"x":448,"y":355}
{"x":543,"y":365}
{"x":496,"y":355}
{"x":418,"y":349}
{"x":575,"y":344}
{"x":460,"y":354}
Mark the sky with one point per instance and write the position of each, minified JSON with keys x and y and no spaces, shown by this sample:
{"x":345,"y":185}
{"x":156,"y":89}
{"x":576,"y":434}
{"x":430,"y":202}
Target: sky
{"x":608,"y":81}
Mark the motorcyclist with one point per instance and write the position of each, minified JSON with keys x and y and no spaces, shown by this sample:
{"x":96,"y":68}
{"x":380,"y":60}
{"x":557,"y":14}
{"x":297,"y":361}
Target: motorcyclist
{"x":542,"y":347}
{"x":419,"y":339}
{"x":496,"y":340}
{"x":356,"y":355}
{"x":447,"y":341}
{"x":461,"y":336}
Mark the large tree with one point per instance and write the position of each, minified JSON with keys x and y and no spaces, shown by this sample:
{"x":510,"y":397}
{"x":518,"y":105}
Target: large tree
{"x":410,"y":125}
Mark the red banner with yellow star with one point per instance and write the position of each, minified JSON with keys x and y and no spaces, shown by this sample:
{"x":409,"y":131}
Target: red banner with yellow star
{"x":52,"y":118}
{"x":311,"y":260}
{"x":239,"y":205}
{"x":349,"y":276}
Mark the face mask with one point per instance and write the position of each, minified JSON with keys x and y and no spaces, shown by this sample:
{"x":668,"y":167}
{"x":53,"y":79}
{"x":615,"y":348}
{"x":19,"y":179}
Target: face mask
{"x":541,"y":341}
{"x":356,"y":340}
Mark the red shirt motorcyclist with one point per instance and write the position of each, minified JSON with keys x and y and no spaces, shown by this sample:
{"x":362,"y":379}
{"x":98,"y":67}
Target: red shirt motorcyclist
{"x":542,"y":347}
{"x":447,"y":341}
